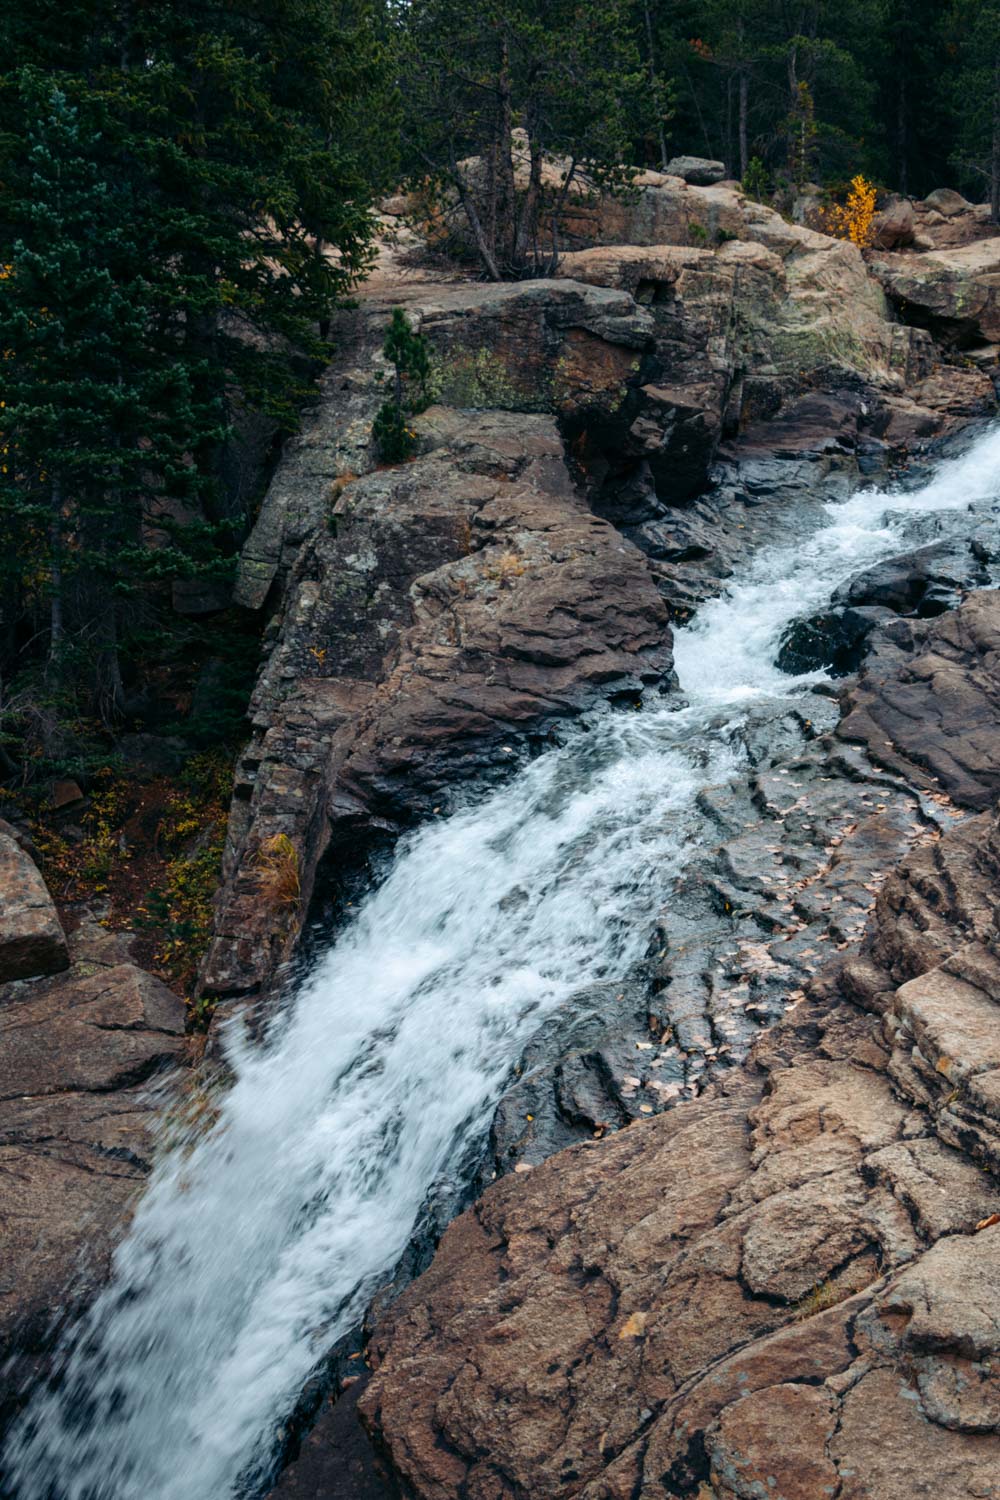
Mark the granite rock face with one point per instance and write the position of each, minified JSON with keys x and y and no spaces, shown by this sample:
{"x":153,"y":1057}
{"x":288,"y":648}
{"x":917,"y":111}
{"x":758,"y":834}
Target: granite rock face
{"x":467,"y":602}
{"x":951,"y":291}
{"x":791,"y":859}
{"x":542,"y":346}
{"x":31,"y":938}
{"x":779,"y":1288}
{"x":78,"y":1053}
{"x":927,"y":703}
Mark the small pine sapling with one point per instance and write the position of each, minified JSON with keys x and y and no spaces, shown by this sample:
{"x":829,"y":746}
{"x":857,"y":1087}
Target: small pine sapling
{"x":409,"y":391}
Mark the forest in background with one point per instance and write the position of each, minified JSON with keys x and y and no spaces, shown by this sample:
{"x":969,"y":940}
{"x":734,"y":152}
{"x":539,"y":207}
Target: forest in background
{"x":189,"y":189}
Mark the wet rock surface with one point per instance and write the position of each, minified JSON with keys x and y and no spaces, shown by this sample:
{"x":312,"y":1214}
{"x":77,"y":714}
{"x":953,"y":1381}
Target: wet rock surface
{"x":790,"y":860}
{"x":780,"y":1287}
{"x":926,"y":582}
{"x":79,"y":1053}
{"x":657,"y":355}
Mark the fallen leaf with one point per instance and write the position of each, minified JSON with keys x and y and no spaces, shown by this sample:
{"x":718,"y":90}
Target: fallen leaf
{"x":634,"y":1327}
{"x":988,"y":1223}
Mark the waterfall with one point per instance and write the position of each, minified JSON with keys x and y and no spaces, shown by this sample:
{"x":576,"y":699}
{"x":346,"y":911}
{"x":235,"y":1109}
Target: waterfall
{"x":260,"y":1240}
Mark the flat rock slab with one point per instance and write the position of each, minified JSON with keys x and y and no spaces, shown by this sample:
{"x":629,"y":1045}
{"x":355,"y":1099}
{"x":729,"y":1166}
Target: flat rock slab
{"x":31,"y":938}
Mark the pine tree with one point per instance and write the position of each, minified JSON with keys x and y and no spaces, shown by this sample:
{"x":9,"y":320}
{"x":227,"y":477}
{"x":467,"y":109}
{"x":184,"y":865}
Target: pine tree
{"x":566,"y":72}
{"x":409,"y":355}
{"x":87,"y":413}
{"x":739,"y":67}
{"x":975,"y":26}
{"x":187,"y":194}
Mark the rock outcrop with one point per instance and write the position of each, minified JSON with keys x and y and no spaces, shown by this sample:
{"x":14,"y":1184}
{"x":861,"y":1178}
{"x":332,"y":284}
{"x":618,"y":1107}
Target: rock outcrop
{"x":535,"y":347}
{"x":790,"y":859}
{"x":78,"y":1054}
{"x":785,"y":1287}
{"x":31,"y":937}
{"x":646,"y":362}
{"x":450,"y":612}
{"x":952,"y":292}
{"x":927,"y":704}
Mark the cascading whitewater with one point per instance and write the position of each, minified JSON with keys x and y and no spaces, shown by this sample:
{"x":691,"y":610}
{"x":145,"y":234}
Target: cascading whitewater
{"x":259,"y":1241}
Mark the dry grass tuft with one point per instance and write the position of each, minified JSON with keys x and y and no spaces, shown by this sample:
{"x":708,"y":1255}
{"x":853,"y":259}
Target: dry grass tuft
{"x":504,"y":568}
{"x":278,"y":870}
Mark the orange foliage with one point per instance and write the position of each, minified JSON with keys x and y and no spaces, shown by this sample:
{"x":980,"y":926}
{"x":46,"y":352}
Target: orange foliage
{"x":854,"y":220}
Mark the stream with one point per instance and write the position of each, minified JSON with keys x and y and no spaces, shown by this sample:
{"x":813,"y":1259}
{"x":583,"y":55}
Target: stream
{"x":261,"y":1238}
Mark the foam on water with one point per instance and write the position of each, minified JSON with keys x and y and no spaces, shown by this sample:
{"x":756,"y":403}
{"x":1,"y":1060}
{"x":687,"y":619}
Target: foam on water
{"x":259,"y":1242}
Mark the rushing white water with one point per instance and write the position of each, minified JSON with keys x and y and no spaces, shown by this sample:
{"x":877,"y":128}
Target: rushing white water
{"x":260,"y":1241}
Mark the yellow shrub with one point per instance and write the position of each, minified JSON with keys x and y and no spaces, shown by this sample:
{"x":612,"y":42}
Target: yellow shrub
{"x":854,"y":220}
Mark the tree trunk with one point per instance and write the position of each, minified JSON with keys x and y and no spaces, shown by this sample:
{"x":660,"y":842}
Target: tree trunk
{"x":110,"y":688}
{"x":485,"y":250}
{"x":557,"y":214}
{"x":995,"y":152}
{"x":56,"y":622}
{"x":904,"y":44}
{"x":651,"y":65}
{"x":503,"y":244}
{"x":527,"y":229}
{"x":793,"y":76}
{"x":902,"y":136}
{"x":744,"y":112}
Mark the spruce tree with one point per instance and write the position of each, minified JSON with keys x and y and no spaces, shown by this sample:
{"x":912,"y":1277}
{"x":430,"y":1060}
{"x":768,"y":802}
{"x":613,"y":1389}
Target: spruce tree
{"x":567,"y":72}
{"x":186,"y":196}
{"x":975,"y":29}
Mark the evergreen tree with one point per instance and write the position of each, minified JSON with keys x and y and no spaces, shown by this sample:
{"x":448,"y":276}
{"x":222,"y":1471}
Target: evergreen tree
{"x":567,"y":72}
{"x":186,"y":196}
{"x":409,"y":355}
{"x":918,"y":132}
{"x":89,"y":412}
{"x":975,"y":26}
{"x":786,"y":81}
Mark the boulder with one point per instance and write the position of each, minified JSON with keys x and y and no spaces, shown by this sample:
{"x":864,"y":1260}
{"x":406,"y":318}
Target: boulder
{"x":697,"y":170}
{"x":952,"y":292}
{"x":896,"y":226}
{"x":927,"y":702}
{"x":31,"y":937}
{"x":924,"y":582}
{"x":834,"y":641}
{"x":947,"y":202}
